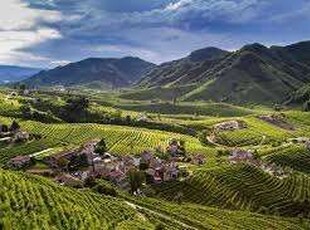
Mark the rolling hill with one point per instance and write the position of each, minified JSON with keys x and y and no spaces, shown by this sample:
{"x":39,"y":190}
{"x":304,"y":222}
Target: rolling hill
{"x":93,"y":73}
{"x":32,"y":202}
{"x":15,"y":73}
{"x":254,"y":73}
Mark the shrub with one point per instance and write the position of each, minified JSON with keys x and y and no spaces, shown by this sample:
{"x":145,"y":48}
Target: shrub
{"x":105,"y":189}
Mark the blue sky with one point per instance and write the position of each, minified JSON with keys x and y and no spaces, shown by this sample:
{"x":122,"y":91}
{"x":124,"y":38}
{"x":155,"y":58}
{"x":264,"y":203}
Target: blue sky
{"x":47,"y":33}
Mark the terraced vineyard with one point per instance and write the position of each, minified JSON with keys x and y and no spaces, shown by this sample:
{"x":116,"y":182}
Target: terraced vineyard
{"x":202,"y":217}
{"x":244,"y":188}
{"x":29,"y":202}
{"x":120,"y":140}
{"x":257,"y":132}
{"x":35,"y":203}
{"x":216,"y":195}
{"x":296,"y":157}
{"x":205,"y":109}
{"x":8,"y":106}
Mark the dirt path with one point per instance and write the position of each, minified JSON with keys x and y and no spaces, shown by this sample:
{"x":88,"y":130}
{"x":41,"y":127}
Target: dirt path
{"x":164,"y":216}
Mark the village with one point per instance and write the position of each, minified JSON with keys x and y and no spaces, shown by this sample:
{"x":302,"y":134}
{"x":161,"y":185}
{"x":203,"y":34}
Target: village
{"x":75,"y":167}
{"x":92,"y":160}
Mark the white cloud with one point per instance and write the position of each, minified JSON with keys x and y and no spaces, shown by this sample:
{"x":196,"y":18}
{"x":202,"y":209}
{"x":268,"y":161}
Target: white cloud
{"x":178,"y":5}
{"x":19,"y":28}
{"x":11,"y":42}
{"x":15,"y":15}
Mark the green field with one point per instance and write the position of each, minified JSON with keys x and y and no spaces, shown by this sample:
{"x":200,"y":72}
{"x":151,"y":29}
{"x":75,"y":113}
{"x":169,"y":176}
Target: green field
{"x":216,"y":195}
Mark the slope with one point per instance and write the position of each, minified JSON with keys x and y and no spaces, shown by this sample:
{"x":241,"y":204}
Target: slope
{"x":15,"y":73}
{"x":254,"y":73}
{"x":95,"y":72}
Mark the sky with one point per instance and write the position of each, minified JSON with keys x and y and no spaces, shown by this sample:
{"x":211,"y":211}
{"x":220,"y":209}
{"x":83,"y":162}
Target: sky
{"x":48,"y":33}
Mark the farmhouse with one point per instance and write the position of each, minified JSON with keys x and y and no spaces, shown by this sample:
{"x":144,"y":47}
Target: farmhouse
{"x":238,"y":155}
{"x":199,"y":159}
{"x":20,"y":162}
{"x":54,"y":160}
{"x":230,"y":126}
{"x":21,"y":137}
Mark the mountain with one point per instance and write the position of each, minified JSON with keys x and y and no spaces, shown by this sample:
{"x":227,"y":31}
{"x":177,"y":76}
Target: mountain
{"x":254,"y":73}
{"x":94,"y":73}
{"x":15,"y":73}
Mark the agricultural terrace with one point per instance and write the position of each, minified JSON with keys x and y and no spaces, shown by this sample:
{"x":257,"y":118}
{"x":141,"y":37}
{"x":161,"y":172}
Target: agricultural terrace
{"x":243,"y":187}
{"x":120,"y":140}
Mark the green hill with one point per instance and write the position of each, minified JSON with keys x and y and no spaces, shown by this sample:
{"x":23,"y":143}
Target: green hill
{"x":93,"y":72}
{"x":29,"y":202}
{"x":243,"y":187}
{"x":254,"y":73}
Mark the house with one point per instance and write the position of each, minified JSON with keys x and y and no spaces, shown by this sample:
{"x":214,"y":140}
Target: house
{"x":230,"y":126}
{"x":117,"y":176}
{"x":238,"y":156}
{"x":88,"y":150}
{"x":199,"y":159}
{"x":142,"y":118}
{"x":54,"y":160}
{"x":20,"y":162}
{"x":170,"y":171}
{"x":21,"y":136}
{"x":146,"y":157}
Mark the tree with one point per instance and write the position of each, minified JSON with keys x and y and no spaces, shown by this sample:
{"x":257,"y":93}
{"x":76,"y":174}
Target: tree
{"x":306,"y":106}
{"x":26,"y":111}
{"x":75,"y":109}
{"x":105,"y":189}
{"x":14,"y":126}
{"x":63,"y":163}
{"x":22,"y":87}
{"x":101,"y":147}
{"x":182,"y":149}
{"x":4,"y":128}
{"x":136,"y":179}
{"x":159,"y":227}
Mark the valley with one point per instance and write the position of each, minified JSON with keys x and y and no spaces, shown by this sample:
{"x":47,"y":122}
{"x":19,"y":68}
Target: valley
{"x":227,"y":162}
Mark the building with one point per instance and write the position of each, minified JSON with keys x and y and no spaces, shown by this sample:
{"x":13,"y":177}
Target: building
{"x":238,"y":156}
{"x":54,"y":160}
{"x":20,"y":162}
{"x":229,"y":126}
{"x":199,"y":159}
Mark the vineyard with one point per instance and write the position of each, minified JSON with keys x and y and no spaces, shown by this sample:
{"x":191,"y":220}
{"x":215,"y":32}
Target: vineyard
{"x":35,"y":203}
{"x":202,"y":217}
{"x":120,"y":140}
{"x":257,"y":133}
{"x":214,"y":195}
{"x":209,"y":109}
{"x":29,"y":202}
{"x":244,"y":188}
{"x":296,"y":157}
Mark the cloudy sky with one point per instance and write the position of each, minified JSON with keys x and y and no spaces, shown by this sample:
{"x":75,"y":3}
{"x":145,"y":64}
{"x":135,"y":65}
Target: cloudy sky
{"x":46,"y":33}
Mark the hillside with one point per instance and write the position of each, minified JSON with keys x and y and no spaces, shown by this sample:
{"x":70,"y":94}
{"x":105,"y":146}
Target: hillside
{"x":214,"y":194}
{"x":32,"y":202}
{"x":254,"y":73}
{"x":93,"y":73}
{"x":15,"y":73}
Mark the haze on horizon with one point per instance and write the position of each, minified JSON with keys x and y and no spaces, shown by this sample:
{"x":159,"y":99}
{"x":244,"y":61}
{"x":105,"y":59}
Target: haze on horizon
{"x":47,"y":33}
